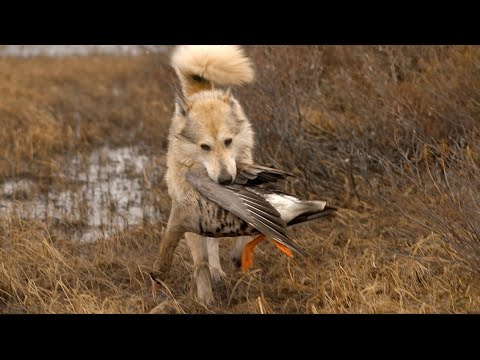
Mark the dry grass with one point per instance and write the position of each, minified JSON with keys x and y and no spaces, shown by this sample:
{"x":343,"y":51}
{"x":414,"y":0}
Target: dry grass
{"x":50,"y":107}
{"x":388,"y":134}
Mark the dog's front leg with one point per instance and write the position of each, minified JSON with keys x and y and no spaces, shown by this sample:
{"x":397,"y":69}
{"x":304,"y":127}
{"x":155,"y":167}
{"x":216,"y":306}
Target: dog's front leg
{"x":173,"y":233}
{"x":202,"y":274}
{"x":214,"y":260}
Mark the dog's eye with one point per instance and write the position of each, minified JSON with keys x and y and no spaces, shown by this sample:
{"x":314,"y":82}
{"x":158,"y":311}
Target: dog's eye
{"x":228,"y":142}
{"x":205,"y":147}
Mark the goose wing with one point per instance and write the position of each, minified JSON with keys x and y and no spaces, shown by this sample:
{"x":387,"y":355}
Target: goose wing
{"x":245,"y":204}
{"x":253,"y":174}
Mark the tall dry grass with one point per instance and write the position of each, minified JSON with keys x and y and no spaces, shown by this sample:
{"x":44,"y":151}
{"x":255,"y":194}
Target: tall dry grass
{"x":50,"y":107}
{"x":389,"y":134}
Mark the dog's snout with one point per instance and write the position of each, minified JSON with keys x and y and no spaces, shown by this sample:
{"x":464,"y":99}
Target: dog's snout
{"x":225,"y":179}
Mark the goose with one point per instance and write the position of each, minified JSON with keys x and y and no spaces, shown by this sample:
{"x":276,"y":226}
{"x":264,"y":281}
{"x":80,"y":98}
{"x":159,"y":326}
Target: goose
{"x":249,"y":206}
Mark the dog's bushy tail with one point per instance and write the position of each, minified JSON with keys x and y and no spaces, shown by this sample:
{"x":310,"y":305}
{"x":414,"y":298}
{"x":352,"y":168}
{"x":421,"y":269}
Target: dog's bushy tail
{"x":200,"y":66}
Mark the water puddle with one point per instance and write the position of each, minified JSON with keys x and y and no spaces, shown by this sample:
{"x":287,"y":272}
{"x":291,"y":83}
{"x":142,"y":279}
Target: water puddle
{"x":106,"y":191}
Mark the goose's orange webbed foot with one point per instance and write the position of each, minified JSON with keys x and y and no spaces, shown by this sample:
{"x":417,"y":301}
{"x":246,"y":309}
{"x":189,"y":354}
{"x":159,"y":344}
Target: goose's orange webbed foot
{"x":247,"y":255}
{"x":283,"y":248}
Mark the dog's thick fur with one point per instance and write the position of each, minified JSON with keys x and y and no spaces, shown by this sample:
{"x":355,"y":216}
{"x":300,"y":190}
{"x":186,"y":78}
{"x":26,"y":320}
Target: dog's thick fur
{"x":209,"y":129}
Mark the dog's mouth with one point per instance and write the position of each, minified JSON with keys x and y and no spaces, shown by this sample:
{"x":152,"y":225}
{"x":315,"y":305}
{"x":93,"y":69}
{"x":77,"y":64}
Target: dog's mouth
{"x":225,"y":179}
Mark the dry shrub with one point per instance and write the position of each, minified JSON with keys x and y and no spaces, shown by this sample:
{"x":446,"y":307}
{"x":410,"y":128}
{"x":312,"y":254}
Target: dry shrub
{"x":397,"y":124}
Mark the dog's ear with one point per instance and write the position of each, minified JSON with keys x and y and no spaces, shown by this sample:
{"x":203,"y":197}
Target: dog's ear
{"x":182,"y":105}
{"x":181,"y":102}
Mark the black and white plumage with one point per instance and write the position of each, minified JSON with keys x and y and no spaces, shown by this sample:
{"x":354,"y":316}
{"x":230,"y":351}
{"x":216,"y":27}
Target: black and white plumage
{"x":247,"y":208}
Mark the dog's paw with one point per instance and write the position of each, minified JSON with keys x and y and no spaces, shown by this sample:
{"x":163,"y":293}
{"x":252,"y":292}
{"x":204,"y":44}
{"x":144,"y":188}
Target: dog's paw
{"x":203,"y":282}
{"x":219,"y":284}
{"x":218,"y":276}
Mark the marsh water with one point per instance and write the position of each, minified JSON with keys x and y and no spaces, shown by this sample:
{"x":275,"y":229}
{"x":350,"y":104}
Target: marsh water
{"x":107,"y":191}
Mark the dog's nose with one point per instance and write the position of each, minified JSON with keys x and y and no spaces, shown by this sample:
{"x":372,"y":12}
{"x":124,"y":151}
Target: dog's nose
{"x":225,"y":179}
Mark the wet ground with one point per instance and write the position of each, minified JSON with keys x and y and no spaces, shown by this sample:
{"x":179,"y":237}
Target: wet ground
{"x":106,"y":191}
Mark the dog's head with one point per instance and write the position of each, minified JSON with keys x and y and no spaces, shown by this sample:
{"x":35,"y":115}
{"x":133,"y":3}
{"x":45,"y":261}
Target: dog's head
{"x":214,"y":132}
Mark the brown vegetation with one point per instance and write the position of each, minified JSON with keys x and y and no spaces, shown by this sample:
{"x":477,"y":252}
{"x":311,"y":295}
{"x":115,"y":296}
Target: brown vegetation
{"x":388,"y":134}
